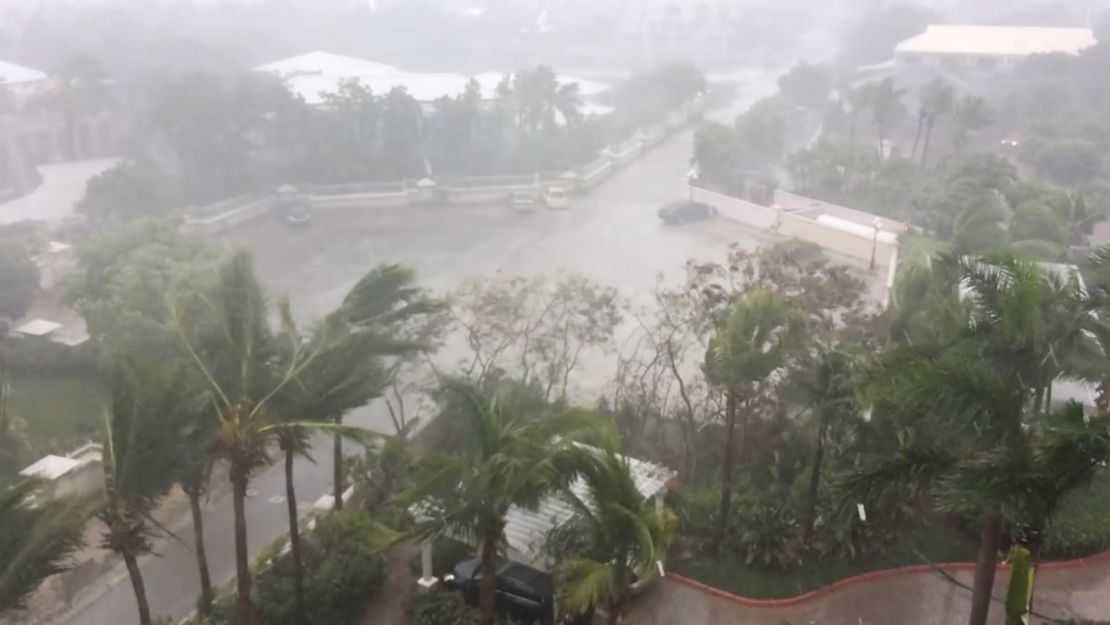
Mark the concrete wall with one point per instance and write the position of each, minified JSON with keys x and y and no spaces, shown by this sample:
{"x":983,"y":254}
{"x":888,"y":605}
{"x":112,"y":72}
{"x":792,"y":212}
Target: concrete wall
{"x":360,"y":200}
{"x":835,"y":240}
{"x":794,"y":202}
{"x":591,"y":174}
{"x":232,"y":214}
{"x":738,"y":210}
{"x":81,"y":481}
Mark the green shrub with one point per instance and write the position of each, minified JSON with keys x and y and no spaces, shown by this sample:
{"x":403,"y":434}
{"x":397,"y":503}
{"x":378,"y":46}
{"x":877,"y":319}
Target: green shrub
{"x":439,"y":607}
{"x":36,"y":356}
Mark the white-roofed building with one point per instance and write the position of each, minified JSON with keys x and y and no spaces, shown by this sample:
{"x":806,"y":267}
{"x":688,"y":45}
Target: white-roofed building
{"x":317,"y":73}
{"x":988,"y":47}
{"x":23,"y":82}
{"x":77,"y":474}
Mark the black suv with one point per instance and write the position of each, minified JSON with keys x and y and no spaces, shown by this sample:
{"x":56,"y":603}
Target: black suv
{"x":524,"y":594}
{"x":685,"y":211}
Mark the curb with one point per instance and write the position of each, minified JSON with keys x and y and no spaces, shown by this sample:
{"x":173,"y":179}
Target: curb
{"x":867,"y":577}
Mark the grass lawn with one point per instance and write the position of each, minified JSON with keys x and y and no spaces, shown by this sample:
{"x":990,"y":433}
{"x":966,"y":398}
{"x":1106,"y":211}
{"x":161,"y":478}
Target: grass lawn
{"x":939,"y":544}
{"x":58,"y":412}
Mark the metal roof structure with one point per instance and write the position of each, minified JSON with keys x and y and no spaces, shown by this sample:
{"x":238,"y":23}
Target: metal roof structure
{"x":50,"y":467}
{"x":526,"y":531}
{"x":999,"y":41}
{"x":38,"y":327}
{"x":12,"y":74}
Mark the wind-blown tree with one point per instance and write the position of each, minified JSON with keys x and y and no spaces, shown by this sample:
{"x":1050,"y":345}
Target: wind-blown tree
{"x":828,"y":388}
{"x":130,"y":191}
{"x":78,"y":90}
{"x":614,"y":540}
{"x":391,"y":317}
{"x":36,"y":540}
{"x":141,"y":461}
{"x":937,"y":99}
{"x":750,"y":345}
{"x":885,"y":104}
{"x":504,"y":455}
{"x":249,"y":369}
{"x":857,"y":101}
{"x":969,"y":114}
{"x":19,"y":281}
{"x":967,"y":409}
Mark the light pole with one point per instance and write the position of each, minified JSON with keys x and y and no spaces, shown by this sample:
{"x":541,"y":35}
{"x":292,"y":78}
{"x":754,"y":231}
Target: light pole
{"x":878,"y":225}
{"x":691,"y":178}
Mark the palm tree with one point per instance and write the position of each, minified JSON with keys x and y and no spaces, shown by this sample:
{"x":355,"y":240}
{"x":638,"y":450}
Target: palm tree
{"x":78,"y":90}
{"x":266,"y":385}
{"x":614,"y":540}
{"x":968,"y":115}
{"x":750,"y":346}
{"x":36,"y":540}
{"x":858,"y":100}
{"x":937,"y":99}
{"x":140,"y":462}
{"x":830,"y":394}
{"x":967,"y":408}
{"x":382,"y":306}
{"x":502,"y":457}
{"x":195,"y":475}
{"x":884,"y":106}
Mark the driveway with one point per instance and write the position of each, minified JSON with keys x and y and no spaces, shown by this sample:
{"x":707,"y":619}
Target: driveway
{"x":612,"y":236}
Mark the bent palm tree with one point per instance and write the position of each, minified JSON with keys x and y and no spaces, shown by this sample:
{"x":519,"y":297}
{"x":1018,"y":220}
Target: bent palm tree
{"x":614,"y":541}
{"x":503,"y":458}
{"x":752,"y":343}
{"x":265,"y":385}
{"x":36,"y":540}
{"x":140,"y":462}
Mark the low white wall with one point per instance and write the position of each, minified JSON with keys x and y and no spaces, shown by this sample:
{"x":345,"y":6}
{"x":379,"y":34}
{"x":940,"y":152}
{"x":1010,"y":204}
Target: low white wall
{"x":836,"y":240}
{"x":739,"y":210}
{"x":363,"y":200}
{"x":794,"y":202}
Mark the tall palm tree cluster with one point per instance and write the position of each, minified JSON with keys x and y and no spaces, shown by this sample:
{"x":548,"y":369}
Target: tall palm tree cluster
{"x":965,"y":386}
{"x":213,"y":384}
{"x":937,"y":102}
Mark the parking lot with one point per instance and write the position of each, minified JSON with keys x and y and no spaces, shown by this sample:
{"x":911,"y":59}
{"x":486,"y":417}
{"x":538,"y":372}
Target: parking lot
{"x":611,"y":236}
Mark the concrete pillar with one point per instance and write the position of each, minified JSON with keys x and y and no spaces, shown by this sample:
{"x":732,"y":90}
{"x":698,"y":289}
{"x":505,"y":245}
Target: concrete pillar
{"x":427,"y":577}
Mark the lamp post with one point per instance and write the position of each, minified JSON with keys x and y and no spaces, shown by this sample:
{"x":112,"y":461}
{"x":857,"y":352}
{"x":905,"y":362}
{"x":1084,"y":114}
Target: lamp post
{"x":691,"y":178}
{"x":878,"y":225}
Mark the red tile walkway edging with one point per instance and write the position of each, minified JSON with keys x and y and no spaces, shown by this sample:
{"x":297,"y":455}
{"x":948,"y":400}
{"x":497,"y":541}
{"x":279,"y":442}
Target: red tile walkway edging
{"x":866,"y":577}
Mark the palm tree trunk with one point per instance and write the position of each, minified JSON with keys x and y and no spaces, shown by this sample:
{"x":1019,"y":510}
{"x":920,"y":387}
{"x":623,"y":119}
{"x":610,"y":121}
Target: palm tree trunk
{"x":138,"y":586}
{"x":487,"y":584}
{"x":244,"y":609}
{"x":814,"y":482}
{"x":726,"y":470}
{"x":613,"y":613}
{"x":337,"y":465}
{"x":917,"y":137}
{"x":985,"y":567}
{"x":294,"y":540}
{"x":205,"y":607}
{"x":925,"y":144}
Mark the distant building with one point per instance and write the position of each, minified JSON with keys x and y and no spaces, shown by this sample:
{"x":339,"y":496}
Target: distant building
{"x":987,"y":48}
{"x":315,"y":74}
{"x":34,"y":129}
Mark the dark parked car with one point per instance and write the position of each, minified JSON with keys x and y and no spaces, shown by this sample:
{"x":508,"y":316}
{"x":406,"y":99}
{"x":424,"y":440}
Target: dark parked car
{"x":685,"y":211}
{"x":292,"y":207}
{"x":524,"y":595}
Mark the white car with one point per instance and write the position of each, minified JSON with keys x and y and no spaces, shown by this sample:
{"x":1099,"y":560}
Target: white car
{"x":522,"y":201}
{"x":556,"y":198}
